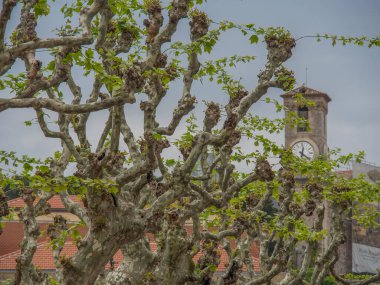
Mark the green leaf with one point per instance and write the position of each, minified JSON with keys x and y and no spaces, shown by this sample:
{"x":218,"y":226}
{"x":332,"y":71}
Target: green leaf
{"x":43,"y":168}
{"x":212,"y":267}
{"x":170,"y":162}
{"x":89,"y":53}
{"x":27,"y":167}
{"x":57,"y":155}
{"x":41,"y":8}
{"x":51,"y":65}
{"x":157,"y":136}
{"x":254,"y":39}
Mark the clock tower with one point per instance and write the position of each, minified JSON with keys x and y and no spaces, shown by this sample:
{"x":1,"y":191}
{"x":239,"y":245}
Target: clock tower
{"x":307,"y":142}
{"x":310,"y":143}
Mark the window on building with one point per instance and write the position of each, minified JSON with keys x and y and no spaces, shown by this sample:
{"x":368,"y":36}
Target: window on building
{"x":303,"y":113}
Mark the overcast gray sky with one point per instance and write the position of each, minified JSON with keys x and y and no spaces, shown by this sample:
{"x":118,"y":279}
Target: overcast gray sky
{"x":349,"y":74}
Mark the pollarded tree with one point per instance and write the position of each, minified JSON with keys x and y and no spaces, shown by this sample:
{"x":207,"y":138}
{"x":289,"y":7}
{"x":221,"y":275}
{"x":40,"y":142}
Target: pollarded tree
{"x":132,"y":188}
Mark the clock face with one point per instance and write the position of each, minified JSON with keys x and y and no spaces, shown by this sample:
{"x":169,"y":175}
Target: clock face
{"x":303,"y":149}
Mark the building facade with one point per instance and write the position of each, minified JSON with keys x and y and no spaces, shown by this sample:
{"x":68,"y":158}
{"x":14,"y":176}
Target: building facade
{"x":310,"y":141}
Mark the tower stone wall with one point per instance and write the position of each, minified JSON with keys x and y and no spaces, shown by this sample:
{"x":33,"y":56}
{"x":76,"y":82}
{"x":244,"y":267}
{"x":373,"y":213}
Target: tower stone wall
{"x":317,"y":116}
{"x":316,"y":136}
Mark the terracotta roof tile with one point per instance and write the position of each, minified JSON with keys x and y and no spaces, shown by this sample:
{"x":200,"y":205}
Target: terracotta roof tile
{"x":11,"y":237}
{"x":55,"y":202}
{"x":43,"y":258}
{"x":345,"y":173}
{"x":13,"y":233}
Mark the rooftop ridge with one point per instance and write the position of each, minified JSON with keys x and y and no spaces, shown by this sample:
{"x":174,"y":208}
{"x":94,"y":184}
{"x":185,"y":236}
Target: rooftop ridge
{"x":306,"y":91}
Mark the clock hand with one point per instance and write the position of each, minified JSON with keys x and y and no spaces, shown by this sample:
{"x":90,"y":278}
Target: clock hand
{"x":302,"y":151}
{"x":302,"y":154}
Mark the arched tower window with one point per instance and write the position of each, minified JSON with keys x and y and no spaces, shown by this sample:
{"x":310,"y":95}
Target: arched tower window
{"x":303,"y":113}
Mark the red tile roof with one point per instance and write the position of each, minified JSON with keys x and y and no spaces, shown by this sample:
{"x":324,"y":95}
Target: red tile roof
{"x":13,"y":232}
{"x":224,"y":258}
{"x":55,"y":202}
{"x":345,"y":173}
{"x":43,"y":257}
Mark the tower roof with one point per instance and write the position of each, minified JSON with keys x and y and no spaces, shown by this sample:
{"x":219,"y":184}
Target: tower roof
{"x":307,"y":92}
